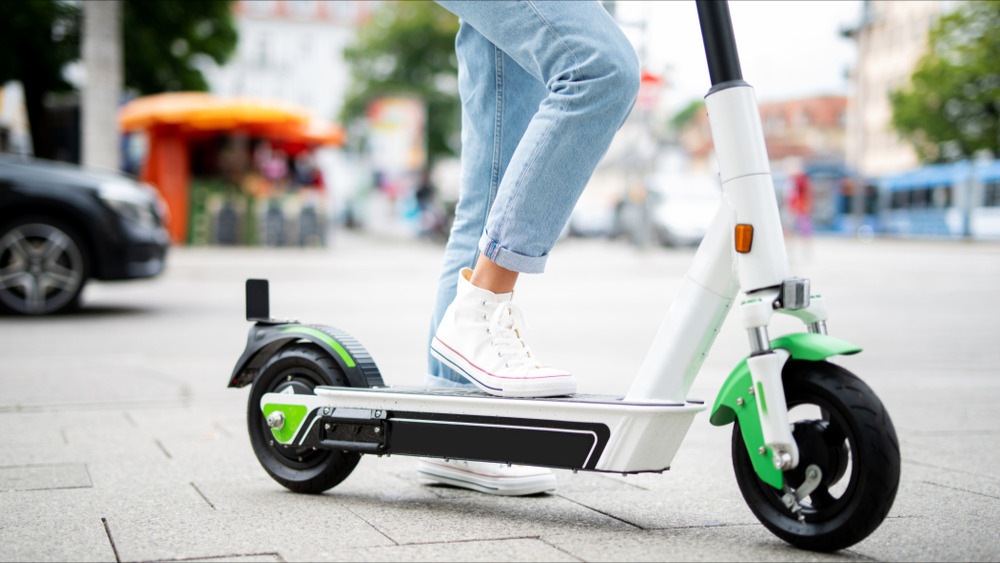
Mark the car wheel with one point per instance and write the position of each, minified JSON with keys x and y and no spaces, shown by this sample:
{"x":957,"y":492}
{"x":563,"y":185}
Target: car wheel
{"x":43,"y":266}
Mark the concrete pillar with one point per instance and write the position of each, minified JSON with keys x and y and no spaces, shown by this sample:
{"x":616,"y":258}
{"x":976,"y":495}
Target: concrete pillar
{"x":103,"y":62}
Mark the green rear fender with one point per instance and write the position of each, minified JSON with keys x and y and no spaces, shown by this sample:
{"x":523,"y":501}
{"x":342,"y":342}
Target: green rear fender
{"x":801,"y":346}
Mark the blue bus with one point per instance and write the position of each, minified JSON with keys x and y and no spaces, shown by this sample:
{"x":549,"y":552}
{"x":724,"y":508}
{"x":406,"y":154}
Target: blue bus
{"x":941,"y":200}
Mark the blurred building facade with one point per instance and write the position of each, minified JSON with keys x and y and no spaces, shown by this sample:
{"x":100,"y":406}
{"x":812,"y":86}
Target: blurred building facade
{"x":811,"y":128}
{"x":891,"y":37}
{"x":292,"y":50}
{"x":805,"y":137}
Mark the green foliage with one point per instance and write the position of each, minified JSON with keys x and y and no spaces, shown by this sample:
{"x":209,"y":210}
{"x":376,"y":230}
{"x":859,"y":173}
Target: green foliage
{"x":164,"y":39}
{"x":951,"y":107}
{"x":684,"y":116}
{"x":38,"y":38}
{"x":408,"y":48}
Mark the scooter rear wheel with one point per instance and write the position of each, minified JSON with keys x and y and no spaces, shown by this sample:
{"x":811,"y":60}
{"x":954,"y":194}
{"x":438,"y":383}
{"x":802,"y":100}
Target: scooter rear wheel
{"x":842,"y":429}
{"x":301,"y":368}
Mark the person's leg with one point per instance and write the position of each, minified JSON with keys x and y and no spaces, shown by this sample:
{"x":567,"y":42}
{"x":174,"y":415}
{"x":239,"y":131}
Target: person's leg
{"x":590,"y":74}
{"x":498,"y":101}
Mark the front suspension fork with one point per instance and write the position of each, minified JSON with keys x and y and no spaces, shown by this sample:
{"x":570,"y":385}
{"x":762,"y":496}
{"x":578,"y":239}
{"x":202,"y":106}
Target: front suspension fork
{"x":765,"y":364}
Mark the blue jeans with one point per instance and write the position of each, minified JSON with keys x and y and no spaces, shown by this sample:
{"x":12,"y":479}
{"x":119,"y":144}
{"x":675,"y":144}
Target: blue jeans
{"x":544,"y":87}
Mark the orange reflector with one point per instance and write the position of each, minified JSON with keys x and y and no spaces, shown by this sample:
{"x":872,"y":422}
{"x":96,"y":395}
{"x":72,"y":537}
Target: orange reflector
{"x":744,"y":238}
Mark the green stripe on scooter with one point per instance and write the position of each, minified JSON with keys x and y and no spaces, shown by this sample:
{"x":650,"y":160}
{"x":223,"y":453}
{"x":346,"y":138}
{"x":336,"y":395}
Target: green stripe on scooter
{"x":760,"y":392}
{"x":326,"y":339}
{"x":294,"y":415}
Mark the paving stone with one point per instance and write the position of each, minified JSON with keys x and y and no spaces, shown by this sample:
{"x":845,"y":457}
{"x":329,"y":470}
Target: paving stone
{"x":251,"y":558}
{"x":267,"y":521}
{"x":56,"y":537}
{"x":516,"y":549}
{"x":135,"y":399}
{"x":707,"y":543}
{"x":41,"y":477}
{"x":699,"y":489}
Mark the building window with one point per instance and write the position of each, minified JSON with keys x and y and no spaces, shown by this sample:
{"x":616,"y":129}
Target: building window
{"x":345,"y":12}
{"x":992,"y":195}
{"x":900,"y":200}
{"x":302,"y":9}
{"x":259,"y":7}
{"x":920,"y":198}
{"x":800,"y":119}
{"x":943,"y":197}
{"x":262,"y":51}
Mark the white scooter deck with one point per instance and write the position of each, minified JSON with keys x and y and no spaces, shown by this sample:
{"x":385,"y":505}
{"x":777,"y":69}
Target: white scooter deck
{"x":586,"y":432}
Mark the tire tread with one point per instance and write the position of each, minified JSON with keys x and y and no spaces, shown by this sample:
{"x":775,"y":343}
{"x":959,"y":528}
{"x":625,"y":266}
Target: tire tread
{"x":877,"y":456}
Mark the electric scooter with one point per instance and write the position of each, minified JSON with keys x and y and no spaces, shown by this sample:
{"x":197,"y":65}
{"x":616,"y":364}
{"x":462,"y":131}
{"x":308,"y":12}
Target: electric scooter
{"x":814,"y":451}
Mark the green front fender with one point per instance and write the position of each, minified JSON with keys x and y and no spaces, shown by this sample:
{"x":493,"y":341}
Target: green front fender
{"x":801,"y":346}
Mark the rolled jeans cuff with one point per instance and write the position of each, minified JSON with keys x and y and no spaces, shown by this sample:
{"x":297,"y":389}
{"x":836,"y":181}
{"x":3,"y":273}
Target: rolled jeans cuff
{"x":506,"y":258}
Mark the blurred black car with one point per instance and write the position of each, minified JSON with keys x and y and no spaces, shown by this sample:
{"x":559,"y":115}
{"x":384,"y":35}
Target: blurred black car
{"x":61,"y":225}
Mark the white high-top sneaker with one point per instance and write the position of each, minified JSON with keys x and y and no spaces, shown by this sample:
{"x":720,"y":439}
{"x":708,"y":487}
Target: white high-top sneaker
{"x":480,"y":337}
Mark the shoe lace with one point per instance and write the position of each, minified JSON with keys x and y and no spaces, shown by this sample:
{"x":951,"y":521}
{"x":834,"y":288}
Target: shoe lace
{"x":507,"y":324}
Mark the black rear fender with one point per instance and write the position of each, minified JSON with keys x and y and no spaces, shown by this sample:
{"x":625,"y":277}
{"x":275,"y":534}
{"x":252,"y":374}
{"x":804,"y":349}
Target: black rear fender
{"x":266,"y":339}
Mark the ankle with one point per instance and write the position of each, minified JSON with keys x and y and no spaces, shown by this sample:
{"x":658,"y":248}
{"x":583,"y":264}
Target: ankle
{"x":491,"y":277}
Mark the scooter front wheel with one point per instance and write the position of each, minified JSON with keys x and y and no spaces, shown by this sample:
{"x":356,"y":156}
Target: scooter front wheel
{"x":848,"y":471}
{"x":298,"y":368}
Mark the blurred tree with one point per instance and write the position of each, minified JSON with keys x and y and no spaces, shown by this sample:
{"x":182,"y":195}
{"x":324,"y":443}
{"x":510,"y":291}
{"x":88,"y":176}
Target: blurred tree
{"x":685,"y":115}
{"x":38,"y":38}
{"x":408,"y":48}
{"x":951,"y":107}
{"x":164,"y":41}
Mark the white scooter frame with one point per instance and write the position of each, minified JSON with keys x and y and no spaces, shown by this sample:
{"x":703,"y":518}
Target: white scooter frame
{"x":646,"y":427}
{"x":639,"y":432}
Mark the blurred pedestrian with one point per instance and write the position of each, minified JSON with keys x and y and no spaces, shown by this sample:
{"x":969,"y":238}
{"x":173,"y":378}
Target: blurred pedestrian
{"x":801,"y":205}
{"x":544,"y":88}
{"x":431,"y":219}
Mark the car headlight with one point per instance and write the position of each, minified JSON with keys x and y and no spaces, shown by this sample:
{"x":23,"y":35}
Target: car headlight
{"x":129,"y":202}
{"x":159,"y":204}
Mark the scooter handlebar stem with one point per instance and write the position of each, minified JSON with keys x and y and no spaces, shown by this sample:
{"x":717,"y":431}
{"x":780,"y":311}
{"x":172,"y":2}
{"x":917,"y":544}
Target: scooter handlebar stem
{"x":720,"y":42}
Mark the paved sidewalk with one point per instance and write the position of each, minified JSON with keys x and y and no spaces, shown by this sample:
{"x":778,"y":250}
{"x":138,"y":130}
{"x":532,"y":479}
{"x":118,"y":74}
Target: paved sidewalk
{"x":120,"y":441}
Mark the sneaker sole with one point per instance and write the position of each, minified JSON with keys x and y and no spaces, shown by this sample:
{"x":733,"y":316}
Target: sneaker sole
{"x":550,"y":386}
{"x":491,"y":485}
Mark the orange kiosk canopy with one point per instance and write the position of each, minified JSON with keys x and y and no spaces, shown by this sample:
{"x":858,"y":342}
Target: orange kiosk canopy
{"x":173,"y":119}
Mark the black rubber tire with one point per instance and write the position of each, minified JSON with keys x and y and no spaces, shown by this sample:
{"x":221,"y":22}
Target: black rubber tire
{"x":853,"y":442}
{"x":303,"y":470}
{"x":45,"y":255}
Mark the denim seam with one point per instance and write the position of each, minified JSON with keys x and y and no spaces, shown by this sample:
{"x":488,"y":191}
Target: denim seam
{"x":541,"y":142}
{"x":534,"y":8}
{"x":497,"y":129}
{"x":497,"y":143}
